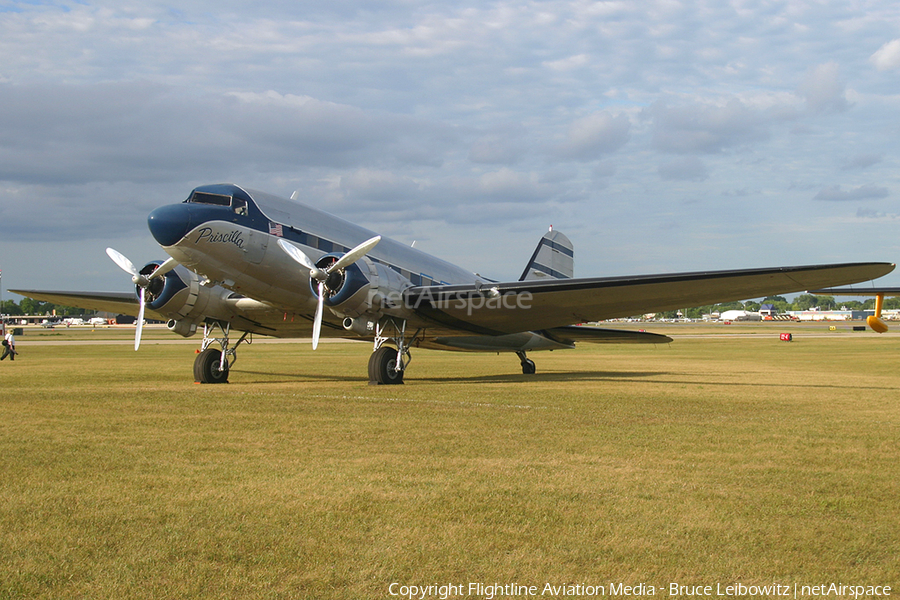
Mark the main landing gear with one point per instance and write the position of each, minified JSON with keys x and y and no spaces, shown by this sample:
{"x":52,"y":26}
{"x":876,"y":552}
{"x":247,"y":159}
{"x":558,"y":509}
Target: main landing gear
{"x":212,"y":365}
{"x":528,"y":367}
{"x":387,"y":363}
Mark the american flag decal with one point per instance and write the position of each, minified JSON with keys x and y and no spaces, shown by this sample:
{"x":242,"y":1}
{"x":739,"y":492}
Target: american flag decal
{"x":276,"y":229}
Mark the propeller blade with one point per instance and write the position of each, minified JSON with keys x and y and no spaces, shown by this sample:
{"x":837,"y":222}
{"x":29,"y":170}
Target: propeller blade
{"x":127,"y":266}
{"x":139,"y":323}
{"x":355,"y":254}
{"x":317,"y":324}
{"x":164,"y":268}
{"x":123,"y":262}
{"x":298,"y":255}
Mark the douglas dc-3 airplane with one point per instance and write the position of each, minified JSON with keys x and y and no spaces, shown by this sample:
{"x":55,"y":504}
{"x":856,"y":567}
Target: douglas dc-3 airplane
{"x":246,"y":261}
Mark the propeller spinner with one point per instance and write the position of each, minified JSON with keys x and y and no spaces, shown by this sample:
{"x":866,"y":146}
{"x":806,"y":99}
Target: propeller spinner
{"x":323,"y":275}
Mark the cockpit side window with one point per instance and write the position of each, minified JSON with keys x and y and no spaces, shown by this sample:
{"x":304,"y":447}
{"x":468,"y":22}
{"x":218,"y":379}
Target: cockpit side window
{"x":239,"y":206}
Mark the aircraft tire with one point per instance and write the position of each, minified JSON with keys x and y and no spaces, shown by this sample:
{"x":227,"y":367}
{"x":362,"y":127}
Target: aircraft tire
{"x":206,"y":367}
{"x":528,"y":367}
{"x":381,"y":367}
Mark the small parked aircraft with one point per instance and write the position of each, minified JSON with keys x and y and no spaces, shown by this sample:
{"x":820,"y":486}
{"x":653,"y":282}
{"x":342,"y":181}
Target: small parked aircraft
{"x":248,"y":261}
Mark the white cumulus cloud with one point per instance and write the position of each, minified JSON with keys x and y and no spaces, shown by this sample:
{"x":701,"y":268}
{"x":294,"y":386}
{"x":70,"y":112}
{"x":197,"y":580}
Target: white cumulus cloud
{"x":887,"y":57}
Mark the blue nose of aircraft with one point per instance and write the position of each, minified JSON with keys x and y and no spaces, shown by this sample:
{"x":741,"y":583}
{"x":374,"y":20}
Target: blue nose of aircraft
{"x":169,"y":224}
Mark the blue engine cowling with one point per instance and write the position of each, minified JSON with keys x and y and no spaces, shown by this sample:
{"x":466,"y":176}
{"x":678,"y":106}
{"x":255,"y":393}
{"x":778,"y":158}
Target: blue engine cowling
{"x":181,"y":299}
{"x":364,"y":288}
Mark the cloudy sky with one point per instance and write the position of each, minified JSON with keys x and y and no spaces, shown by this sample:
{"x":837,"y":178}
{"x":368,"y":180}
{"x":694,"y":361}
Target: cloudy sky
{"x":658,"y":135}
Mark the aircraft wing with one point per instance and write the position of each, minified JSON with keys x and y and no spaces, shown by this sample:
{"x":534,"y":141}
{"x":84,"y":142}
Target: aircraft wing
{"x":246,"y":314}
{"x":510,"y":307}
{"x":115,"y":302}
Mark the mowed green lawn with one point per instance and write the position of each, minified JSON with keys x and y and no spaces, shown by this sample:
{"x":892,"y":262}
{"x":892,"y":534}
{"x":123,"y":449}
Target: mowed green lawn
{"x":711,"y":460}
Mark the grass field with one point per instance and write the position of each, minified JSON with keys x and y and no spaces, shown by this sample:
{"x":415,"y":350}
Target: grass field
{"x":713,"y":460}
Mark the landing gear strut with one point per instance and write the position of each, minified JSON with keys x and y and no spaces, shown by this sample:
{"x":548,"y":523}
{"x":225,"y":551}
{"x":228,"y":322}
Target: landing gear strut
{"x":528,"y":367}
{"x":212,"y":365}
{"x":387,"y":364}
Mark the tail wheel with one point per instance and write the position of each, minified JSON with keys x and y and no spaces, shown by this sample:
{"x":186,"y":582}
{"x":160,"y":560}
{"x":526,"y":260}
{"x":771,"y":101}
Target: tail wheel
{"x":382,"y":367}
{"x":206,"y":367}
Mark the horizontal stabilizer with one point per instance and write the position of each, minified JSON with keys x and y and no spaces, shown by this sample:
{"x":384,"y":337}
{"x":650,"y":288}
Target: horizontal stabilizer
{"x":600,"y":335}
{"x":873,"y":321}
{"x":852,"y":291}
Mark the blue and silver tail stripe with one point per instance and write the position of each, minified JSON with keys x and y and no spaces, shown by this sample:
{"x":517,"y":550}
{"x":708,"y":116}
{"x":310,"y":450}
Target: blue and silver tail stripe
{"x":570,"y":252}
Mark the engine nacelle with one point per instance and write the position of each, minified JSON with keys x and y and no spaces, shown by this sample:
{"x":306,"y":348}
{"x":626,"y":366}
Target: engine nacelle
{"x":363,"y":292}
{"x":182,"y":300}
{"x":182,"y":328}
{"x":360,"y":325}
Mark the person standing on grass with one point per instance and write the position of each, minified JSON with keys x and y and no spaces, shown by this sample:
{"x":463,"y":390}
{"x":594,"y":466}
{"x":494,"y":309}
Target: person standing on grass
{"x":9,"y":346}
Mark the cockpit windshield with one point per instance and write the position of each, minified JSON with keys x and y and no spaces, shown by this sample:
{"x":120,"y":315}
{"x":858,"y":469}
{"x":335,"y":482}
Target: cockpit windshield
{"x":207,"y":198}
{"x":238,"y":205}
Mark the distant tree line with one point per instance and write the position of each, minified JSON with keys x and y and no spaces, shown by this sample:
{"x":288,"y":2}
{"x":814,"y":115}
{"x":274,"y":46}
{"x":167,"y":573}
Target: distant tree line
{"x":29,"y":306}
{"x":782,"y":305}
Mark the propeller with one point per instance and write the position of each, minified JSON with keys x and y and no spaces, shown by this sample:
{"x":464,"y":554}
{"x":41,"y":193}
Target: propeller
{"x":142,"y":281}
{"x":321,"y":275}
{"x":139,"y":326}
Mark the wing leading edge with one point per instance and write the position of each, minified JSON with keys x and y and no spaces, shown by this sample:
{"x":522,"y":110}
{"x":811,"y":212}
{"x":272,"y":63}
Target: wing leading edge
{"x":501,"y":308}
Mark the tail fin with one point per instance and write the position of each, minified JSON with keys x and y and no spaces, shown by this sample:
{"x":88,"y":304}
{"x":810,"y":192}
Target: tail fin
{"x":554,"y":258}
